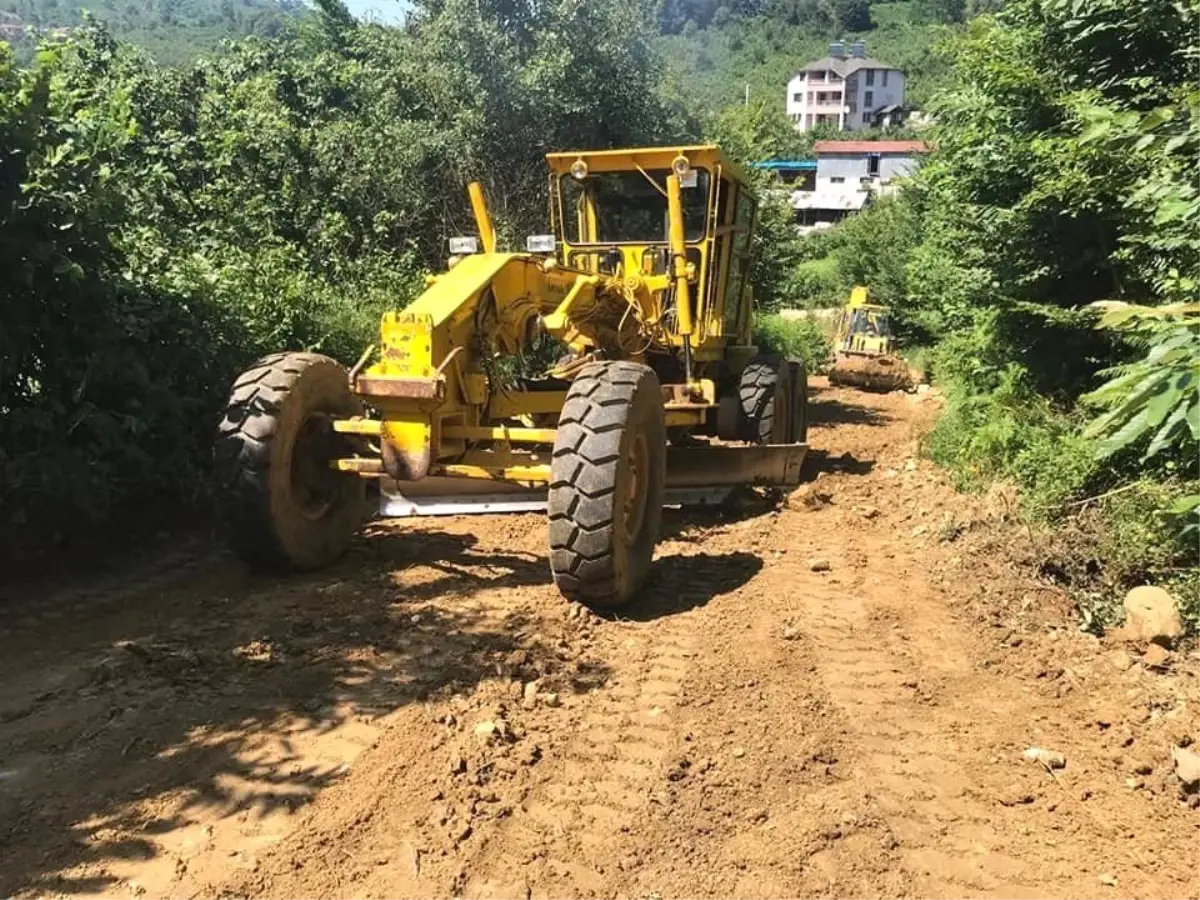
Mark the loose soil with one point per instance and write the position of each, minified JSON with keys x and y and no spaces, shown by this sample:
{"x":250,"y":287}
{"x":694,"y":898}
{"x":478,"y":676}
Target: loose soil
{"x":827,"y":697}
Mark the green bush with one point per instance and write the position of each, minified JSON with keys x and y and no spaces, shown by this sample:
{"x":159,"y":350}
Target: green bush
{"x":802,"y":337}
{"x":161,"y":227}
{"x":815,"y":284}
{"x":1012,"y":434}
{"x":874,"y":247}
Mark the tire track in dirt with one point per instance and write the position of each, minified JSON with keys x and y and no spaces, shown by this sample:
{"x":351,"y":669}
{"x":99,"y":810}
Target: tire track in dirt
{"x":933,"y":732}
{"x":888,"y":678}
{"x":576,"y":826}
{"x":755,"y":725}
{"x":576,"y":821}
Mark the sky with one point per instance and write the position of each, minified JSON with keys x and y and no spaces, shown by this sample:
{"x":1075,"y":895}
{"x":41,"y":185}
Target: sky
{"x":387,"y":11}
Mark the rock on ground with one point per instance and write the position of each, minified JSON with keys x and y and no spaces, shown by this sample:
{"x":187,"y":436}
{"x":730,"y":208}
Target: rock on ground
{"x":1151,"y":614}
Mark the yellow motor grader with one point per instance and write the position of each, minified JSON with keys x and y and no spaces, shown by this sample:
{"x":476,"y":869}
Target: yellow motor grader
{"x":865,"y":348}
{"x":659,"y":398}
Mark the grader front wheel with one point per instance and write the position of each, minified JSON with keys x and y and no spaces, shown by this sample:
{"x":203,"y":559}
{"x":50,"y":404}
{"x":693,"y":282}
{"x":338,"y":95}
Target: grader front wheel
{"x":279,"y":503}
{"x":607,"y":479}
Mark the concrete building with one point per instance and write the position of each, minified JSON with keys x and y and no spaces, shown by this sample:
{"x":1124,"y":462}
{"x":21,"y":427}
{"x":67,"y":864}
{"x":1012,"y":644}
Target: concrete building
{"x":865,"y":165}
{"x":848,"y":90}
{"x":848,"y":175}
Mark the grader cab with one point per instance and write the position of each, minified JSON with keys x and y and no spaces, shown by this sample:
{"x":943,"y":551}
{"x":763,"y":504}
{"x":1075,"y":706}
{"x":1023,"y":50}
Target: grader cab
{"x":658,"y":396}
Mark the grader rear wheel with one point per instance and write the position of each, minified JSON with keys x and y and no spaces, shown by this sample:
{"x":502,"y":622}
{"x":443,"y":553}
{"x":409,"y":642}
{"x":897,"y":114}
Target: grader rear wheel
{"x":607,"y":479}
{"x":279,"y":503}
{"x":765,"y":396}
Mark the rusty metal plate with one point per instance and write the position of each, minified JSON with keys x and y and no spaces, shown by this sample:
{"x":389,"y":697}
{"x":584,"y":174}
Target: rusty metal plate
{"x":401,"y":388}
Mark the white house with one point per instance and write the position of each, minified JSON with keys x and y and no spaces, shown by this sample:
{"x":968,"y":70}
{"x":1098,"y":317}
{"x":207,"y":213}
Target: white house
{"x":849,"y":174}
{"x":849,"y":91}
{"x":864,"y":165}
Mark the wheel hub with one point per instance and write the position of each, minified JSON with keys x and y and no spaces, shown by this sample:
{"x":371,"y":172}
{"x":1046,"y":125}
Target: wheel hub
{"x":634,"y":505}
{"x":314,"y":484}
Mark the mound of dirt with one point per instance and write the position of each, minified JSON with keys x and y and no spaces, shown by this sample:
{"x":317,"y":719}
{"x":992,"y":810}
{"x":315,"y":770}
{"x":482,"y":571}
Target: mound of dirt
{"x":871,"y":373}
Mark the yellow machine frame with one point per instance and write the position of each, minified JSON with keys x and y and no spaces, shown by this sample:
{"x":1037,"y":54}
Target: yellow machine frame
{"x":863,"y":327}
{"x":438,"y":413}
{"x":645,"y":283}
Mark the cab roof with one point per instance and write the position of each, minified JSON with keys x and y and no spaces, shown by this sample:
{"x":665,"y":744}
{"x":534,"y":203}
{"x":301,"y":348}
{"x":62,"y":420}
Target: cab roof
{"x":700,"y":156}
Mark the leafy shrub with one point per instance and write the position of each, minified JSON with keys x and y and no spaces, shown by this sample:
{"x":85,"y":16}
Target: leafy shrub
{"x":874,"y":246}
{"x":776,"y":254}
{"x":997,"y":426}
{"x":802,"y":337}
{"x":165,"y":226}
{"x":818,"y":244}
{"x":1013,"y":434}
{"x":816,"y":284}
{"x":1152,"y":402}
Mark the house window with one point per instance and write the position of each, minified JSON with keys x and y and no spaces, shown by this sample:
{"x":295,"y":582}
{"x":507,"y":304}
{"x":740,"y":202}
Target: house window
{"x":866,"y":117}
{"x":869,"y":99}
{"x":797,"y":98}
{"x":808,"y":121}
{"x":837,"y":179}
{"x":870,"y":77}
{"x":873,"y":165}
{"x":885,"y":75}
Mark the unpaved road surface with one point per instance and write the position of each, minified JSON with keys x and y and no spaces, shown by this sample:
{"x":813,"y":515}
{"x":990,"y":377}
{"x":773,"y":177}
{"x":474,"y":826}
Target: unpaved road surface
{"x":828,"y":698}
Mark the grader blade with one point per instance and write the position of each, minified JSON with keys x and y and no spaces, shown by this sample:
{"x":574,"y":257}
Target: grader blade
{"x":871,"y":373}
{"x":696,"y":476}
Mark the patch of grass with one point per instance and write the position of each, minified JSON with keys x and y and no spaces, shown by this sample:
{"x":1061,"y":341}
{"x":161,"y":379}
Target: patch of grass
{"x":1012,"y":433}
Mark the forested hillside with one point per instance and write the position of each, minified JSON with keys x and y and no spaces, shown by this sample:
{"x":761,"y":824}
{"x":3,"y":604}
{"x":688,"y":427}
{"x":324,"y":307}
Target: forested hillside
{"x":164,"y":224}
{"x":175,"y":31}
{"x":713,"y":66}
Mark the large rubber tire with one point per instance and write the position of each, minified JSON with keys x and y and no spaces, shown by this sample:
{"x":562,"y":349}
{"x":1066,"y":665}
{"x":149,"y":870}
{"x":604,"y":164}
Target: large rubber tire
{"x":607,"y":479}
{"x":279,"y":504}
{"x":799,"y":420}
{"x":765,"y":399}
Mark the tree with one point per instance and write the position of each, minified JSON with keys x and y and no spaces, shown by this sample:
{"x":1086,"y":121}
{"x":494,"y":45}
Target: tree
{"x":946,"y":11}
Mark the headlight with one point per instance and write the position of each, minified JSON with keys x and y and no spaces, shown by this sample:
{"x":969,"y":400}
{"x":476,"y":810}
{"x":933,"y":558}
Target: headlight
{"x":579,"y":170}
{"x":540,"y":243}
{"x":464,"y":246}
{"x":680,"y":166}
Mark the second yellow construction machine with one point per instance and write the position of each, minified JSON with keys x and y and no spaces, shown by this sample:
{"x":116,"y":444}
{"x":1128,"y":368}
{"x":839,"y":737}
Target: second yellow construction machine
{"x":864,"y":349}
{"x":659,"y":397}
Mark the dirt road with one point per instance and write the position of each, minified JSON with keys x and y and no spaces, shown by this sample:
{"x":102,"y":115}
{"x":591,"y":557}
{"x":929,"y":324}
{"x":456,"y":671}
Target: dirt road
{"x":831,"y":698}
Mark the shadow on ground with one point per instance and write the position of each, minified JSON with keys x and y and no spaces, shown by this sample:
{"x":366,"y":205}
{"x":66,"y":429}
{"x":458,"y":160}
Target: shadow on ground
{"x":825,"y":412}
{"x":169,"y":697}
{"x":844,"y":464}
{"x":689,"y":581}
{"x":135,"y":723}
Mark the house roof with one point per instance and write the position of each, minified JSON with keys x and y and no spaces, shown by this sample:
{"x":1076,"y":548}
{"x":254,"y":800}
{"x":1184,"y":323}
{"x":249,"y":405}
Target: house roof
{"x":856,"y":147}
{"x":844,"y":65}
